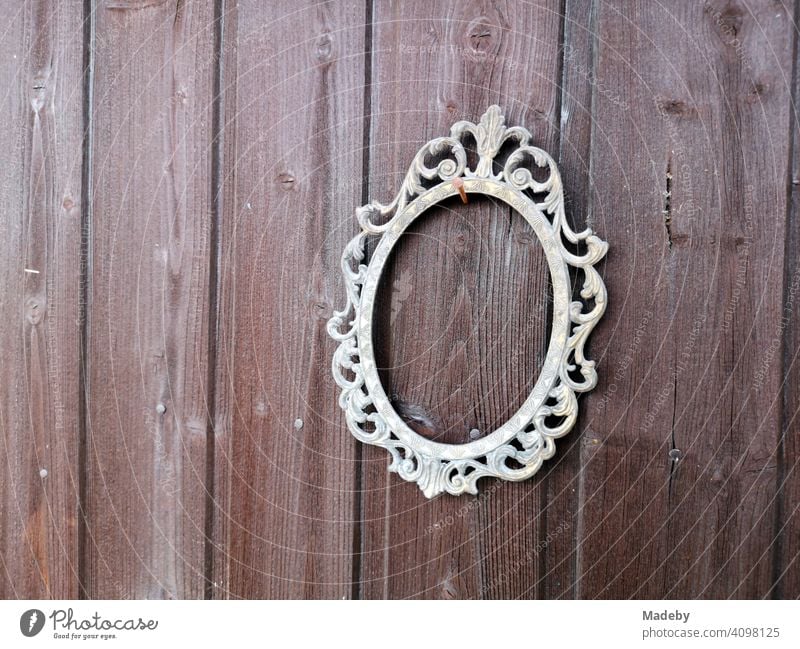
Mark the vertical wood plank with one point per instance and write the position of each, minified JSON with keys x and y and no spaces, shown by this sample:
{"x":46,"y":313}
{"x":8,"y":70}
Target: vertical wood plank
{"x":721,"y":531}
{"x":679,"y":495}
{"x":41,"y":65}
{"x":465,"y":301}
{"x":786,"y":566}
{"x":558,"y":547}
{"x":147,"y":355}
{"x":285,"y":469}
{"x":624,"y":463}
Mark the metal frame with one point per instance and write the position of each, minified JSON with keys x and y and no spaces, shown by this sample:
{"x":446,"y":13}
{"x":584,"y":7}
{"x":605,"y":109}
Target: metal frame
{"x":526,"y":438}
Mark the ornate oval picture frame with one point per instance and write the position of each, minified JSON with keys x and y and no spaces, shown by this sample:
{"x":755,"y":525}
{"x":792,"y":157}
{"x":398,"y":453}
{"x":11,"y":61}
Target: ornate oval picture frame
{"x":517,"y":449}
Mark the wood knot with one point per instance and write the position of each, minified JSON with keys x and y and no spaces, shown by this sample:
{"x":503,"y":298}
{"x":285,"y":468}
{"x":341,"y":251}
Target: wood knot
{"x":322,"y":310}
{"x":539,"y":115}
{"x":196,"y":426}
{"x":323,"y":47}
{"x":417,"y":418}
{"x":34,"y":310}
{"x":449,"y":589}
{"x":728,"y":20}
{"x":675,"y":107}
{"x":757,"y":91}
{"x":69,"y":206}
{"x":741,"y":242}
{"x":39,"y":87}
{"x":286,"y":181}
{"x":481,"y":37}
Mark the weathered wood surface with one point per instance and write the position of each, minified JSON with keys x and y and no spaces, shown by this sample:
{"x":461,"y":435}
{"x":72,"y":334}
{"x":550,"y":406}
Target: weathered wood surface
{"x":786,"y":561}
{"x":183,"y":175}
{"x":467,"y":292}
{"x":147,"y":375}
{"x":41,"y":56}
{"x":690,"y":183}
{"x":285,"y":474}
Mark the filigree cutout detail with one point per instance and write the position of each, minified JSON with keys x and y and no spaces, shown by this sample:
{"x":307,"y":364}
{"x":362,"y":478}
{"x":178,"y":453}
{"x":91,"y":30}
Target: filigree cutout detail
{"x":517,"y":449}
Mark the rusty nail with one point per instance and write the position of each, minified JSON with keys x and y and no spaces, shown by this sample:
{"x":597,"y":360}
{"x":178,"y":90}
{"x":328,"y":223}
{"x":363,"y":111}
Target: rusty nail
{"x":459,"y":185}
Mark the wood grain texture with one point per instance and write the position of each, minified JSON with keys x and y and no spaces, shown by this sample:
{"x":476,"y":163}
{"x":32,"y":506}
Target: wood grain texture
{"x":40,"y":234}
{"x":679,"y":498}
{"x":468,"y":292}
{"x":284,"y":460}
{"x":562,"y":513}
{"x":721,"y":533}
{"x":169,"y":424}
{"x":786,"y":565}
{"x":624,"y":468}
{"x":147,"y":331}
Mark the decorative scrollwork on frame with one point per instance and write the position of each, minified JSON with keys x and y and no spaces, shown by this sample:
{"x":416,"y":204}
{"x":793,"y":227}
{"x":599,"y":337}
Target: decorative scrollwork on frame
{"x":517,"y":449}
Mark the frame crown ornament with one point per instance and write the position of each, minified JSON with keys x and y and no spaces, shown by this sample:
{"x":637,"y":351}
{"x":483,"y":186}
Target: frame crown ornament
{"x":517,"y":449}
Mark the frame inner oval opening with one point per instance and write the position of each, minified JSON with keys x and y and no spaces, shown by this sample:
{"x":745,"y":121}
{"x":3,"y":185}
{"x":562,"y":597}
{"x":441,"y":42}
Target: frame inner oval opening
{"x":462,"y":319}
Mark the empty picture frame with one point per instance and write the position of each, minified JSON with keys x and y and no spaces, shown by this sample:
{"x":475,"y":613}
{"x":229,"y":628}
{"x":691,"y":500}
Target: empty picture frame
{"x":515,"y":450}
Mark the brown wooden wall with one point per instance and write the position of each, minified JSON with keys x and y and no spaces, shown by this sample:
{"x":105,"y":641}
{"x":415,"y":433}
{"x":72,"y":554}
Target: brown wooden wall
{"x":179,"y":178}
